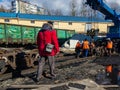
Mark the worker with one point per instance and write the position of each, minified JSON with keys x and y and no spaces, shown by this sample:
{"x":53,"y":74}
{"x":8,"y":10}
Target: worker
{"x":77,"y":49}
{"x":85,"y":48}
{"x":92,"y":48}
{"x":109,"y":46}
{"x":109,"y":70}
{"x":48,"y":47}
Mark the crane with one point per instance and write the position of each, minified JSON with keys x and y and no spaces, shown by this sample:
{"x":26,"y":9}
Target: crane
{"x":110,"y":14}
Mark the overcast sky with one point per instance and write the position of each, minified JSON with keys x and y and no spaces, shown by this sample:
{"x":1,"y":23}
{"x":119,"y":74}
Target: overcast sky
{"x":51,"y":4}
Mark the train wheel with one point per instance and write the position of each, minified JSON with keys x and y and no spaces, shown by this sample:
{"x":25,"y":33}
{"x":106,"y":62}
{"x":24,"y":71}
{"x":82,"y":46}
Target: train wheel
{"x":3,"y":67}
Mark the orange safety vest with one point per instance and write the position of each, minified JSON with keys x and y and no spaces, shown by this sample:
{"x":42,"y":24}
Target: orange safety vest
{"x":85,"y":45}
{"x":109,"y":68}
{"x":109,"y":44}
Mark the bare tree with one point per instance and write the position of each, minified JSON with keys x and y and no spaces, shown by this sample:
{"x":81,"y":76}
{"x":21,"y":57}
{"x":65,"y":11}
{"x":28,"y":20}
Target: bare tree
{"x":87,"y":11}
{"x":58,"y":12}
{"x":48,"y":11}
{"x":115,"y":6}
{"x":2,"y":9}
{"x":73,"y":8}
{"x":83,"y":9}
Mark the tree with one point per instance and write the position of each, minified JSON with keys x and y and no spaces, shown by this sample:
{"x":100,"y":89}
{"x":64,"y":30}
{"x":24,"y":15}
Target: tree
{"x":84,"y":10}
{"x":57,"y":12}
{"x":73,"y":8}
{"x":2,"y":9}
{"x":115,"y":6}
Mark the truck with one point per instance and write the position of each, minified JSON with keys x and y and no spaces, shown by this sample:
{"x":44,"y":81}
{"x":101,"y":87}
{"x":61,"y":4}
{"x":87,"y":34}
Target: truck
{"x":110,"y":14}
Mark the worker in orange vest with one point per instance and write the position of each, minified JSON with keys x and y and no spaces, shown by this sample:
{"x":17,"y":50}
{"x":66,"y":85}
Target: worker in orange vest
{"x":85,"y":48}
{"x":109,"y":46}
{"x":109,"y":70}
{"x":77,"y":49}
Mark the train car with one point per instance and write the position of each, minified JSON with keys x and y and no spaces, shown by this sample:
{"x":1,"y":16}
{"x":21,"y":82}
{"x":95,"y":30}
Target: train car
{"x":19,"y":34}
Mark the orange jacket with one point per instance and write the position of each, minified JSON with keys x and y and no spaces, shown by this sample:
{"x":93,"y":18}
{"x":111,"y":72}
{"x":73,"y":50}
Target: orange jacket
{"x":85,"y":45}
{"x":109,"y":44}
{"x":109,"y":68}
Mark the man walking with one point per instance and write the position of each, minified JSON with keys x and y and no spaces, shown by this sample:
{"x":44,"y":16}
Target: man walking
{"x":47,"y":37}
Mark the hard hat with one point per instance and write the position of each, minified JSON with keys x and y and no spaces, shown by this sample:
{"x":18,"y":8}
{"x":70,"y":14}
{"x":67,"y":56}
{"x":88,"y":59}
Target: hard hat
{"x":108,"y":38}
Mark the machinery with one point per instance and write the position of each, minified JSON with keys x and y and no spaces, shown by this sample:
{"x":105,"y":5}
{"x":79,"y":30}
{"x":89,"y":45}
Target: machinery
{"x":15,"y":58}
{"x":110,"y":14}
{"x":114,"y":31}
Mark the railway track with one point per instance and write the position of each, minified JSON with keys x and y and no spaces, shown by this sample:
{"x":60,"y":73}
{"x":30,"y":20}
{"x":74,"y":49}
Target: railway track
{"x":66,"y":61}
{"x":61,"y":62}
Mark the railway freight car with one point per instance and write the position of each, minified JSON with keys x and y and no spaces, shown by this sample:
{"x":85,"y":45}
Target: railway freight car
{"x":22,"y":35}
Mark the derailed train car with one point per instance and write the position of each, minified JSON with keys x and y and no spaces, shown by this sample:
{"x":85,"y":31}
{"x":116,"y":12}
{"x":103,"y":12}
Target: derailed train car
{"x":18,"y":34}
{"x":15,"y":35}
{"x":17,"y":58}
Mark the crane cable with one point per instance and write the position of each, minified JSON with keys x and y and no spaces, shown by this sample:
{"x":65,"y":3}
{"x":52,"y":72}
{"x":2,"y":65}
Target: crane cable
{"x":94,"y":22}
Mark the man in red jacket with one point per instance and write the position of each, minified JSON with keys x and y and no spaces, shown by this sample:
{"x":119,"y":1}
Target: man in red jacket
{"x":47,"y":35}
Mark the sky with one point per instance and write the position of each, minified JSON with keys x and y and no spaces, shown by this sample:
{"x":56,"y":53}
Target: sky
{"x":51,"y":4}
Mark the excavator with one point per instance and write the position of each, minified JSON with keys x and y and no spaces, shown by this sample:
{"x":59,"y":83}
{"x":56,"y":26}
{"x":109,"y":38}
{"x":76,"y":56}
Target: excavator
{"x":110,"y":14}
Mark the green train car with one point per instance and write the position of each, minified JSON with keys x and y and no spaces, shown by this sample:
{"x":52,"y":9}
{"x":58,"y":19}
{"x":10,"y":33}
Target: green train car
{"x":18,"y":34}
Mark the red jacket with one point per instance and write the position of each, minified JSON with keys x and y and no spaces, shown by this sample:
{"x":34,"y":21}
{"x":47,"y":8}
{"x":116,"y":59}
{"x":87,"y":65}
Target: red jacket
{"x":44,"y":37}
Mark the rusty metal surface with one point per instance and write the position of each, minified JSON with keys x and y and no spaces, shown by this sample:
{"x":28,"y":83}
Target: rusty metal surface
{"x":11,"y":56}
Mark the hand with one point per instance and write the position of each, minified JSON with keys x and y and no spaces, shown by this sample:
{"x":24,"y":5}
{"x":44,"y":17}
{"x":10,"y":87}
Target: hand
{"x":57,"y":53}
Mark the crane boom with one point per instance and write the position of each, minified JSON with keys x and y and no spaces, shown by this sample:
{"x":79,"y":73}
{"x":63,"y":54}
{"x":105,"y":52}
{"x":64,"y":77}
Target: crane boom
{"x":106,"y":10}
{"x":110,"y":14}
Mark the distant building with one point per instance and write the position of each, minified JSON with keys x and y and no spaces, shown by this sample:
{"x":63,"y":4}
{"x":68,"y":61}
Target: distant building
{"x":25,"y":7}
{"x":79,"y":24}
